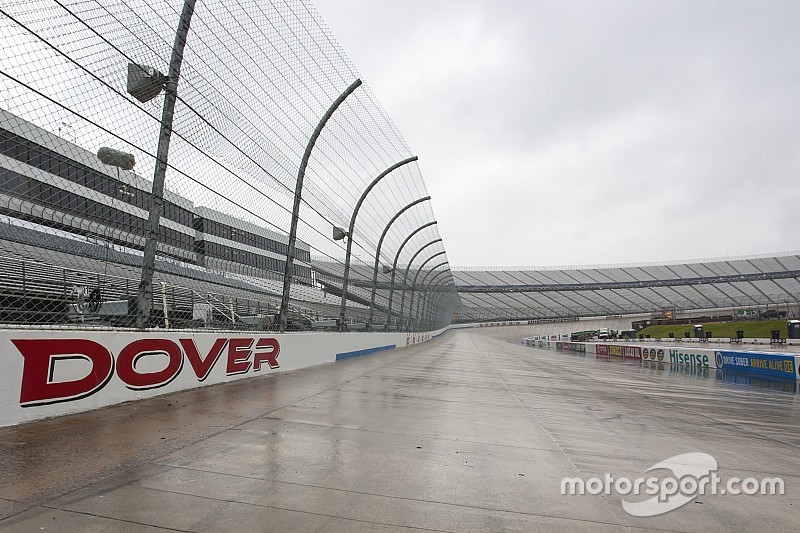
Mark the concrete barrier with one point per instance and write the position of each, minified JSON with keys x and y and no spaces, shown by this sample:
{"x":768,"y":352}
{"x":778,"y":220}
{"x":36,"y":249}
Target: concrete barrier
{"x":49,"y":373}
{"x":754,"y":363}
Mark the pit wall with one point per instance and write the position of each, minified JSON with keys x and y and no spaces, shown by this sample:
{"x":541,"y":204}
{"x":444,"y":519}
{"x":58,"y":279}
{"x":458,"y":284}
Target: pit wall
{"x":49,"y":373}
{"x":755,"y":363}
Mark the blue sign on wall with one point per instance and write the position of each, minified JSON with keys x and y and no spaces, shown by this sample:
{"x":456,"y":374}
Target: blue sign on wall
{"x":767,"y":364}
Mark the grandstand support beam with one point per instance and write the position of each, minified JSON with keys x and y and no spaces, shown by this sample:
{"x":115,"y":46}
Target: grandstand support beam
{"x":346,"y":276}
{"x":422,"y":301}
{"x":298,"y":193}
{"x":378,"y":256}
{"x":411,"y":314}
{"x":145,"y":293}
{"x":394,"y":270}
{"x":405,"y":278}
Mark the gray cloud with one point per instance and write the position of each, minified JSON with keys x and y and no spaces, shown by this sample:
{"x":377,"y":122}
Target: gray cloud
{"x":555,"y":133}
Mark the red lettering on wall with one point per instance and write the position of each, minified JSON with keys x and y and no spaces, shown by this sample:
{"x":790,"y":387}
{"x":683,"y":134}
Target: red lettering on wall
{"x":266,"y":350}
{"x":126,"y":363}
{"x":40,"y":357}
{"x":41,"y":384}
{"x":632,"y":351}
{"x":238,"y":356}
{"x":202,"y":366}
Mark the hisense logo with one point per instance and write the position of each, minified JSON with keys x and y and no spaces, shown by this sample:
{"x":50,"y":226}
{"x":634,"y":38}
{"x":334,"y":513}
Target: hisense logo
{"x":692,"y":359}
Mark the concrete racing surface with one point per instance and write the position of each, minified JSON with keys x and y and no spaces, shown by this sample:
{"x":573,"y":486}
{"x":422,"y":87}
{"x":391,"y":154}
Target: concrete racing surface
{"x":465,"y":433}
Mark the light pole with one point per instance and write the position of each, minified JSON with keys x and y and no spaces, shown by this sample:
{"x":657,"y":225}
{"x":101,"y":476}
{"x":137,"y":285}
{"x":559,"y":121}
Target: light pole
{"x":378,"y":256}
{"x":145,"y":292}
{"x":120,"y":160}
{"x":414,"y":285}
{"x":343,"y":304}
{"x":298,"y":193}
{"x":394,"y":269}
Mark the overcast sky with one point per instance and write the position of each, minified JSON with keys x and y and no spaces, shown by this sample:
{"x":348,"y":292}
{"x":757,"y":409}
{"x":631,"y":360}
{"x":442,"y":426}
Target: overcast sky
{"x":570,"y":133}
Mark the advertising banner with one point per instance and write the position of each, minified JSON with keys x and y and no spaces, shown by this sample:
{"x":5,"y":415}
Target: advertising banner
{"x":697,"y":360}
{"x":701,"y":357}
{"x":634,"y":352}
{"x":654,"y":353}
{"x":578,"y":347}
{"x":761,"y":363}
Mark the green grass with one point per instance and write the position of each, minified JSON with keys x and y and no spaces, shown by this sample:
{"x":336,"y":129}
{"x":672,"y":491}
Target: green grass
{"x":759,"y":329}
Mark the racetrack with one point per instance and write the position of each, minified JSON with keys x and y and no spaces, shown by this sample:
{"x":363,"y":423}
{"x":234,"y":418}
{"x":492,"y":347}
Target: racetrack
{"x":465,"y":433}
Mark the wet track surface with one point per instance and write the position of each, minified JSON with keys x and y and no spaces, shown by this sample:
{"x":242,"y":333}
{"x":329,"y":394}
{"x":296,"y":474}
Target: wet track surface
{"x":465,"y":433}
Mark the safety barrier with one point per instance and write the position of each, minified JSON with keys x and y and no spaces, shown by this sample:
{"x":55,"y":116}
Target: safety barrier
{"x":756,"y":363}
{"x":55,"y":372}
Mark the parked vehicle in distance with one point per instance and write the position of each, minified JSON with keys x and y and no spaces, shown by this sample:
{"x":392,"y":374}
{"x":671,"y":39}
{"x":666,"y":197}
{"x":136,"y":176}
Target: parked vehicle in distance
{"x":583,"y":336}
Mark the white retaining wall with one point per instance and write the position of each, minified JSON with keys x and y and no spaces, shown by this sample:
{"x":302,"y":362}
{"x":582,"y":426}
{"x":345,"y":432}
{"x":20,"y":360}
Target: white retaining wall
{"x":48,"y":373}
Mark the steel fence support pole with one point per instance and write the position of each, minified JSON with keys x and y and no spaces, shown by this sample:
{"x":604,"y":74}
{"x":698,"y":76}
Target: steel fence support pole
{"x":414,"y":286}
{"x":145,"y":293}
{"x":394,"y":269}
{"x":422,"y":296}
{"x":343,"y":304}
{"x":378,"y":256}
{"x":298,"y":192}
{"x":433,"y":285}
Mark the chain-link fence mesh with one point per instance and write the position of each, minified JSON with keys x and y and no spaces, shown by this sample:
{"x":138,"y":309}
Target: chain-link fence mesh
{"x":78,"y":153}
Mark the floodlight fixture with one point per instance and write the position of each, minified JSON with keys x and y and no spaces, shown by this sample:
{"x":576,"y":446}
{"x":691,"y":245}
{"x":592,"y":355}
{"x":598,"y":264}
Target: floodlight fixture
{"x":145,"y":83}
{"x":116,"y":158}
{"x":339,"y":233}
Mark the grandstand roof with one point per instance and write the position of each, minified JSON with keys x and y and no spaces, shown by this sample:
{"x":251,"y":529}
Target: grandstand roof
{"x":504,"y":293}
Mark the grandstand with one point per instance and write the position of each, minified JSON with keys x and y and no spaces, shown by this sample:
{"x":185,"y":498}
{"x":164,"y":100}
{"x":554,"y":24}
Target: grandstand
{"x":551,"y":293}
{"x":74,"y":225}
{"x":52,"y":182}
